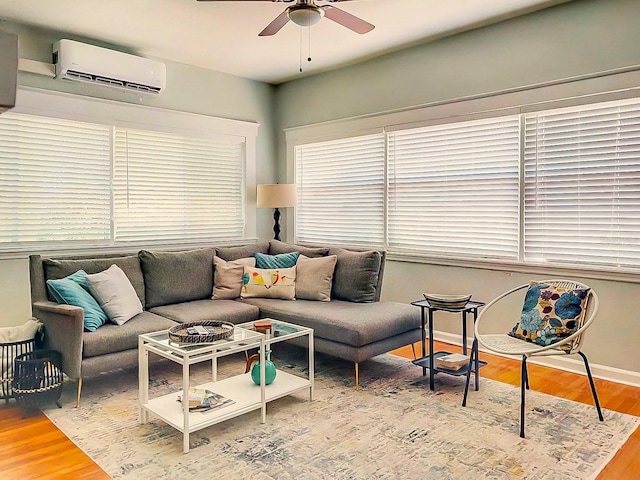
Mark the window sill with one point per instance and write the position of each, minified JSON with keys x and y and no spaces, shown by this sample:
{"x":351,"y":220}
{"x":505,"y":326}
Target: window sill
{"x":519,"y":267}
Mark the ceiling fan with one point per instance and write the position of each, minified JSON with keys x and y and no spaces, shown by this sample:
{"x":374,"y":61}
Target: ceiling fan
{"x":306,"y":13}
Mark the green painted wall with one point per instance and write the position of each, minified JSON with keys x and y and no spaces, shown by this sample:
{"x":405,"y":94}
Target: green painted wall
{"x":578,"y":38}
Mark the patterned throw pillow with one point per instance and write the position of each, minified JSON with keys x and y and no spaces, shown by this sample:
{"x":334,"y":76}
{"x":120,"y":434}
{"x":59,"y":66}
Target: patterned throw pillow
{"x":550,"y":313}
{"x":269,"y":283}
{"x":282,"y":260}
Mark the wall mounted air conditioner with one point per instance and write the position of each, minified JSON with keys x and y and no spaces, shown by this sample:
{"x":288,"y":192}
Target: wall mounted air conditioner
{"x":87,"y":63}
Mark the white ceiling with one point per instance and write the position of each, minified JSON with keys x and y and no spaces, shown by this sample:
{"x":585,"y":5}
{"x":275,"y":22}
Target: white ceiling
{"x":223,"y":36}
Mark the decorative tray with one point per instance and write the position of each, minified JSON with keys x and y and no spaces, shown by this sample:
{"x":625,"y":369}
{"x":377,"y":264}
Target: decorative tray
{"x":446,"y":301}
{"x":216,"y":331}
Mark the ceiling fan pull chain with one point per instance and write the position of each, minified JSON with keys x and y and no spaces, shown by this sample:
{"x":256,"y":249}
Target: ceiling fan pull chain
{"x":309,"y":28}
{"x":301,"y":38}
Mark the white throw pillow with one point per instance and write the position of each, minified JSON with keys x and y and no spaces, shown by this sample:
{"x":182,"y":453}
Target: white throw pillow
{"x":227,"y":277}
{"x":115,"y":294}
{"x":269,"y":283}
{"x":314,"y":277}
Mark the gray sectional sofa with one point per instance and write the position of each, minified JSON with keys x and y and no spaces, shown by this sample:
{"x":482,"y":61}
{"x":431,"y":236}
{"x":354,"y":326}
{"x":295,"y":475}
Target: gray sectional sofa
{"x":176,"y":286}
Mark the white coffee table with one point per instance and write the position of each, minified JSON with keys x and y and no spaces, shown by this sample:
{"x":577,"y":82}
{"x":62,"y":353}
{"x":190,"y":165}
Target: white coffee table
{"x":240,"y":388}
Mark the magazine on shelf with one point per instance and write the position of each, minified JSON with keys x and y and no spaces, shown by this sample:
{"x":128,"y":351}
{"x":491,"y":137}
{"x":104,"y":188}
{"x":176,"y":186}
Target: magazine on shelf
{"x":452,"y":361}
{"x":206,"y":400}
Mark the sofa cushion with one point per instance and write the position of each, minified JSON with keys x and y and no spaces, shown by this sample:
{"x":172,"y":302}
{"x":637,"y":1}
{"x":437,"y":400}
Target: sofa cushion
{"x":277,"y":247}
{"x":73,"y":290}
{"x":356,"y":275}
{"x":115,"y":294}
{"x":227,"y":277}
{"x":175,"y":277}
{"x":269,"y":283}
{"x":130,"y":265}
{"x":244,"y":251}
{"x":314,"y":277}
{"x":221,"y":310}
{"x":281,"y":260}
{"x":354,"y":324}
{"x":111,"y":338}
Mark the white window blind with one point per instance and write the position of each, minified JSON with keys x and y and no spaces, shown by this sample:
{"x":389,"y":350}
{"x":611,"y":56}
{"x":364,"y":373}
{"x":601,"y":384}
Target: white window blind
{"x":172,"y":187}
{"x":582,"y":185}
{"x":341,"y":191}
{"x":54,"y":181}
{"x":454,"y":189}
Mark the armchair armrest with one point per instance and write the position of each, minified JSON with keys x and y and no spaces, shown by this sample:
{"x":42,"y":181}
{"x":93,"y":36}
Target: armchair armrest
{"x":63,"y":329}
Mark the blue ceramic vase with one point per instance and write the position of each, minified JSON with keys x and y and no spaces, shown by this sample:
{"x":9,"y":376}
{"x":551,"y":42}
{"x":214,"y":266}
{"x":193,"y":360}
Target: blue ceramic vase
{"x":253,"y":365}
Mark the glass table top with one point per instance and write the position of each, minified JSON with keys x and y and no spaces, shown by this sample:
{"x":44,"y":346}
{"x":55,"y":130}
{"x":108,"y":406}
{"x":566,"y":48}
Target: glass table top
{"x":238,"y":337}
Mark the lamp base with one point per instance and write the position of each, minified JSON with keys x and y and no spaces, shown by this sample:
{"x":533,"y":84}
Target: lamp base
{"x":276,"y":224}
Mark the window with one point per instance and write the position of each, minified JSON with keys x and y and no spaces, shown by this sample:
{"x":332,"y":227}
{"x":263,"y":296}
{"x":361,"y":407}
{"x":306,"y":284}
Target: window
{"x":54,"y":181}
{"x":172,"y":187}
{"x":555,"y":187}
{"x":341,"y":191}
{"x":582,"y":185}
{"x":68,"y":184}
{"x":454,"y":188}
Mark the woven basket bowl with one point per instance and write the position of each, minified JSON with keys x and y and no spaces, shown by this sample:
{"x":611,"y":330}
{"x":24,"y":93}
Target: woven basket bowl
{"x":222,"y":330}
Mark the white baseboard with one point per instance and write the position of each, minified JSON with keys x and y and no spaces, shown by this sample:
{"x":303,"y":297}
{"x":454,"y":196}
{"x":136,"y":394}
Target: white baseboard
{"x":568,"y":364}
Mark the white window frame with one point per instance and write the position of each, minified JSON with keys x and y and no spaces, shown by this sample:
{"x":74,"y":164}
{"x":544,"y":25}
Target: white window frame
{"x":86,"y":109}
{"x":599,"y":87}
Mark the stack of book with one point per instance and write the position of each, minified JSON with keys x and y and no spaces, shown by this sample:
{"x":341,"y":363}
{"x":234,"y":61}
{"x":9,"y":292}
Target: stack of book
{"x":201,"y":399}
{"x":452,"y":361}
{"x":262,"y":326}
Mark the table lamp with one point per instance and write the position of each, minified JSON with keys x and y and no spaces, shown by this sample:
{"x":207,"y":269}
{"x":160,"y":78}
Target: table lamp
{"x":279,"y":195}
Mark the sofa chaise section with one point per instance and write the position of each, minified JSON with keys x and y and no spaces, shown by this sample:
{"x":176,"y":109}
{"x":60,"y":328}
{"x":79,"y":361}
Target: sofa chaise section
{"x":352,"y":331}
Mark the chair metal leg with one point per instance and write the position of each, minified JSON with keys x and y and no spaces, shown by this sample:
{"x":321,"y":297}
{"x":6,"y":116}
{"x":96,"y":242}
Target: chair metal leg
{"x":593,"y":385}
{"x":523,"y":380}
{"x":474,"y":352}
{"x":413,"y":349}
{"x":526,"y":377}
{"x":357,"y":377}
{"x":79,"y":390}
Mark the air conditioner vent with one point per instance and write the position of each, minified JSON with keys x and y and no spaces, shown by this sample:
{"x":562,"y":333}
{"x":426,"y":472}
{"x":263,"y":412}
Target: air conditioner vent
{"x":88,"y":63}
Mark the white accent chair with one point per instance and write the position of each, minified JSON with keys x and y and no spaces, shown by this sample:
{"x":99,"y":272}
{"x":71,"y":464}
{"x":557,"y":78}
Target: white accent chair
{"x":504,"y":344}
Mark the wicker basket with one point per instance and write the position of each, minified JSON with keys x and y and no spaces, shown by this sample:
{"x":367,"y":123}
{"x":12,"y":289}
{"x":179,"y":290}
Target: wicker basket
{"x":38,"y":378}
{"x":8,"y":353}
{"x":220,"y":331}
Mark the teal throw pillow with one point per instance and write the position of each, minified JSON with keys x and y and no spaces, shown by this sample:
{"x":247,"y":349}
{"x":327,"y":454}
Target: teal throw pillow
{"x":72,"y":290}
{"x":282,"y":260}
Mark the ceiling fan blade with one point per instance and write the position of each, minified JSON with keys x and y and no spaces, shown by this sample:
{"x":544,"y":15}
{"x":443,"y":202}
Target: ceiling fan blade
{"x":347,"y":20}
{"x":275,"y":26}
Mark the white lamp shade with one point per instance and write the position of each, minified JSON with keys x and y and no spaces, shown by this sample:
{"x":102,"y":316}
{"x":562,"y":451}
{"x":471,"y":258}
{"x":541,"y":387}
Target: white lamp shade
{"x":277,"y":195}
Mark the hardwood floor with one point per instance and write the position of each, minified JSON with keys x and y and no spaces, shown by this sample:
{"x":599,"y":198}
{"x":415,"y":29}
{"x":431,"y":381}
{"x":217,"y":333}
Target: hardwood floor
{"x":33,"y":448}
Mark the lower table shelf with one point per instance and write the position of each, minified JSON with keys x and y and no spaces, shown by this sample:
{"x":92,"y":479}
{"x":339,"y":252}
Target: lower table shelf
{"x":424,"y":362}
{"x":240,"y":388}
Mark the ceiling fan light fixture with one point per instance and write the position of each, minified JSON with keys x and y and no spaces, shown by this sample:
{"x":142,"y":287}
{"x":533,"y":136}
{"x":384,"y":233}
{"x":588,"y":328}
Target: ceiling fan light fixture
{"x":305,"y":15}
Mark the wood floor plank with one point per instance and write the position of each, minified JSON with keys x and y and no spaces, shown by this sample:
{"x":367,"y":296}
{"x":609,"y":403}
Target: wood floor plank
{"x":33,"y":448}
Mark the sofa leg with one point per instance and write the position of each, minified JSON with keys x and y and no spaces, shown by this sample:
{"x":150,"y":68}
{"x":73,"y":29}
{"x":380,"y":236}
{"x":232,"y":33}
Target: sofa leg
{"x":357,"y":377}
{"x":79,"y":390}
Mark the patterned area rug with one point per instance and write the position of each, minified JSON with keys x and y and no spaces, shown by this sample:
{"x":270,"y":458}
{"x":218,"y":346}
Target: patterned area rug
{"x":394,"y":427}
